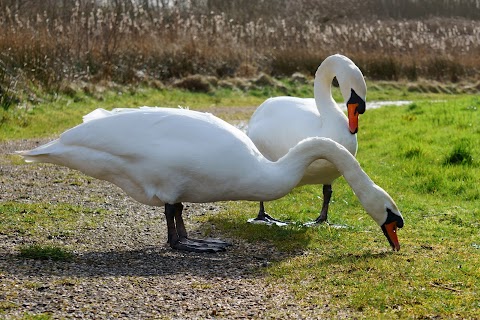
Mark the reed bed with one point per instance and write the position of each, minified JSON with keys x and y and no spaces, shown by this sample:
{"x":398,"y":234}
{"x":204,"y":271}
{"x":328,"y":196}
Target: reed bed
{"x":128,"y":41}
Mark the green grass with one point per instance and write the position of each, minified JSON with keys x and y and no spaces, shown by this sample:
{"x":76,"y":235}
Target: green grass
{"x":44,"y":225}
{"x":56,"y":114}
{"x":461,"y":154}
{"x":53,"y":114}
{"x":43,"y":316}
{"x":45,"y":252}
{"x":425,"y":155}
{"x":46,"y":221}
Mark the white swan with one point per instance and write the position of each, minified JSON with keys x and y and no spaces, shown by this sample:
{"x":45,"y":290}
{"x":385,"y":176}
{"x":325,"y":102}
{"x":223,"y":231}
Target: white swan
{"x":280,"y":123}
{"x":162,"y":156}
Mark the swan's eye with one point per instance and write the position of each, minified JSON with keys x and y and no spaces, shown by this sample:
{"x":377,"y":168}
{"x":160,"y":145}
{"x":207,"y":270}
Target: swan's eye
{"x":391,"y":217}
{"x":356,"y":99}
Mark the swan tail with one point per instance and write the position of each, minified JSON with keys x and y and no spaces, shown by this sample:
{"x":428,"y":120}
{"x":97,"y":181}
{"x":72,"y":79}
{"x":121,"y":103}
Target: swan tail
{"x":41,"y":154}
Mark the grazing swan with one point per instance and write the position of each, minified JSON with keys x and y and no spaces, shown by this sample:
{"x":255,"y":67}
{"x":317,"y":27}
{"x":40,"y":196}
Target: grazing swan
{"x":163,"y":157}
{"x":280,"y":123}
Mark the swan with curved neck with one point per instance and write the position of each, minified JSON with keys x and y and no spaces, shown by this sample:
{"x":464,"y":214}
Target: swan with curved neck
{"x":163,"y":157}
{"x":280,"y":123}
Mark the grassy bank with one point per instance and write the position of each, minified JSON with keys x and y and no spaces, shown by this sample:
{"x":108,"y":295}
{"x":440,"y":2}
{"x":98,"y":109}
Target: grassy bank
{"x":41,"y":114}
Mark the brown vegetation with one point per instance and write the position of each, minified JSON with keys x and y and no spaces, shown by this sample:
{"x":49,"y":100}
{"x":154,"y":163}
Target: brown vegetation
{"x":47,"y":42}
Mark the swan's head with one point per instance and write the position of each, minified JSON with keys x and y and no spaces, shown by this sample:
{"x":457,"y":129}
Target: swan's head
{"x":355,"y":107}
{"x":384,"y":211}
{"x":354,"y":89}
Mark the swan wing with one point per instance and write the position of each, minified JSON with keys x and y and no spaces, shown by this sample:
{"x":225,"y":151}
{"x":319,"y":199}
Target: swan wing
{"x":166,"y":155}
{"x":102,"y":113}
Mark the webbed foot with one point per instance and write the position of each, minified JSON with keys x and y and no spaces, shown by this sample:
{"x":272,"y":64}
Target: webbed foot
{"x":200,"y":245}
{"x":268,"y":220}
{"x":315,"y":222}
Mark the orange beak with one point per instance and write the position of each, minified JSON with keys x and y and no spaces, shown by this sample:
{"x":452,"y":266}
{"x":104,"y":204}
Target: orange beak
{"x":390,"y":231}
{"x":352,"y":117}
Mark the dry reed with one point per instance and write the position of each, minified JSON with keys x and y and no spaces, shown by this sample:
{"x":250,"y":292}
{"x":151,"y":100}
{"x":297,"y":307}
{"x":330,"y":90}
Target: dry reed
{"x":128,"y":41}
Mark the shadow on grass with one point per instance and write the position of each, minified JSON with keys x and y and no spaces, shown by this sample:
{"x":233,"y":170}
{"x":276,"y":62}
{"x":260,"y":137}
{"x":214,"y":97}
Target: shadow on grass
{"x":291,"y":238}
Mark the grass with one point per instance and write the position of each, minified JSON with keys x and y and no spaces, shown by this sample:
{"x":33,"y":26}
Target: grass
{"x":53,"y":114}
{"x":33,"y":219}
{"x":43,"y":316}
{"x":58,"y":113}
{"x":45,"y":226}
{"x":46,"y":252}
{"x":461,"y":154}
{"x":424,"y":154}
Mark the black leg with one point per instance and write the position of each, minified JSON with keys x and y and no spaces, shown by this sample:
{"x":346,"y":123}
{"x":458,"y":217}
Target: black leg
{"x":327,"y":195}
{"x":261,"y":213}
{"x":263,"y":217}
{"x":177,"y":233}
{"x":181,"y":230}
{"x":171,"y":229}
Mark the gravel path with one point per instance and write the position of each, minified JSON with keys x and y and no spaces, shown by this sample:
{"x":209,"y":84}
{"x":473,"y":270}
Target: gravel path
{"x":123,"y":267}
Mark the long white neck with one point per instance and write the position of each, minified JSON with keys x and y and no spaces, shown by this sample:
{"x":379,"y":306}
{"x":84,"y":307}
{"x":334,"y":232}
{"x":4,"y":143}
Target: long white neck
{"x":322,"y":85}
{"x":348,"y":76}
{"x":289,"y":169}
